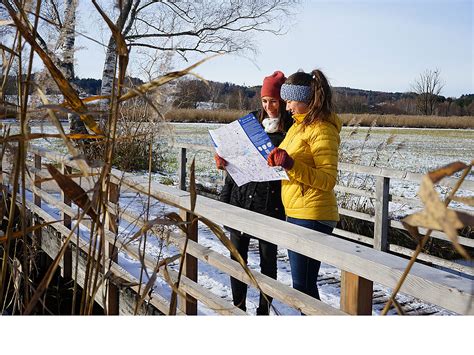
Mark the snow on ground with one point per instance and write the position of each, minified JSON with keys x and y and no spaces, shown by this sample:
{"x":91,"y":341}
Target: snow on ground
{"x":416,"y":152}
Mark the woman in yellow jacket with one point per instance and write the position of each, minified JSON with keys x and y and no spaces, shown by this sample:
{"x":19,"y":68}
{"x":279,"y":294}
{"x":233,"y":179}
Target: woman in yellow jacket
{"x":309,"y":154}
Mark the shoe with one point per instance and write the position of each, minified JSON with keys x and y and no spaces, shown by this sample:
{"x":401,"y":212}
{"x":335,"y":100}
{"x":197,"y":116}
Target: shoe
{"x":262,"y":311}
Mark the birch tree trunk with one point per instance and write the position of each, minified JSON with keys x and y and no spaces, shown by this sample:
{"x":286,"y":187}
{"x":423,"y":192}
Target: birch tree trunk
{"x":66,"y":48}
{"x":108,"y":74}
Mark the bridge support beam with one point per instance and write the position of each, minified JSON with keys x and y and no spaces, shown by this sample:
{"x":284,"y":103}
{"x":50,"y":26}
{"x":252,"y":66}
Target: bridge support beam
{"x":356,"y":294}
{"x":189,"y":305}
{"x":113,"y":292}
{"x":66,"y":271}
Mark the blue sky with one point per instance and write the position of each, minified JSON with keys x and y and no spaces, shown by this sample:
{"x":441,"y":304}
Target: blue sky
{"x":373,"y":45}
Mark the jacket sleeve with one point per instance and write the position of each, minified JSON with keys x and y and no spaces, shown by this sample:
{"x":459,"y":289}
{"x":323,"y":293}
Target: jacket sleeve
{"x":227,"y":189}
{"x":323,"y":175}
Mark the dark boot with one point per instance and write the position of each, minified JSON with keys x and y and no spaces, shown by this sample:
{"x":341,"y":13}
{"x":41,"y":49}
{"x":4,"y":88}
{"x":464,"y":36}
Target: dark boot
{"x":262,"y":311}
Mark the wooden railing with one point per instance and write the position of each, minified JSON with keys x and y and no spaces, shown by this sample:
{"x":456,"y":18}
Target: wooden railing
{"x":381,"y":196}
{"x":360,"y":265}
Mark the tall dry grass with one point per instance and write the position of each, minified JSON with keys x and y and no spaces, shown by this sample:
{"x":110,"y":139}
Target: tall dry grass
{"x":348,"y":119}
{"x":408,"y":121}
{"x":24,"y":288}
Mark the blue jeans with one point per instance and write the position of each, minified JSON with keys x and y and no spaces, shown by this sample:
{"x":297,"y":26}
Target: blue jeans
{"x":304,"y":270}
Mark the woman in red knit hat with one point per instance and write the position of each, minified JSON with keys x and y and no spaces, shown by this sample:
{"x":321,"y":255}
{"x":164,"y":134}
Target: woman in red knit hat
{"x":262,"y":197}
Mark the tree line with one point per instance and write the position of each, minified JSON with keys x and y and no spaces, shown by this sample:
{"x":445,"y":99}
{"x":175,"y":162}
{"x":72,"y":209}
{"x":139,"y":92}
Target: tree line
{"x":195,"y":94}
{"x":192,"y":93}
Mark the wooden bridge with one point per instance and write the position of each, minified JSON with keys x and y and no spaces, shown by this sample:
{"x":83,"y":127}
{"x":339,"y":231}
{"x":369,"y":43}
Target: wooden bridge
{"x":362,"y":260}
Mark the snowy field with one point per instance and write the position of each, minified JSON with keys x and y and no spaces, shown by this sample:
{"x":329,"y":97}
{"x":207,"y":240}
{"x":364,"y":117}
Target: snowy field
{"x":416,"y":150}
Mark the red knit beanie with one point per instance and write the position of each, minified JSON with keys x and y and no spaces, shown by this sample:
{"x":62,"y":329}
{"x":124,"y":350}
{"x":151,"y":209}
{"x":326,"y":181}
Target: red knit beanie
{"x":272,"y":84}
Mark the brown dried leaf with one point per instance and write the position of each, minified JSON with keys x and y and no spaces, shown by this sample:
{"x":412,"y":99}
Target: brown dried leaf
{"x":447,"y":170}
{"x":412,"y":229}
{"x":436,"y":215}
{"x":424,"y":220}
{"x":147,"y":226}
{"x":465,"y":200}
{"x":73,"y":191}
{"x":28,"y":230}
{"x":177,"y":221}
{"x":95,"y":98}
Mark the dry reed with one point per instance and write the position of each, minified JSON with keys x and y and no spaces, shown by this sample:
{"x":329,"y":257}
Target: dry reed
{"x":20,"y":291}
{"x":363,"y":120}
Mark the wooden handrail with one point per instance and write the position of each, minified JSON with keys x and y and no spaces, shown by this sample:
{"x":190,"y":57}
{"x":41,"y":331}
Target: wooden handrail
{"x":436,"y":286}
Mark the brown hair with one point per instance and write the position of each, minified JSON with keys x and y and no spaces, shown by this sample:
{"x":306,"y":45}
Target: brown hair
{"x":285,"y":117}
{"x":320,"y":105}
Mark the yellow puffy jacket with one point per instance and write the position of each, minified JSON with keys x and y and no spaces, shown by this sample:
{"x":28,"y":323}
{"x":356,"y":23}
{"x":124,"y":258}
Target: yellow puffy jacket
{"x":309,"y":193}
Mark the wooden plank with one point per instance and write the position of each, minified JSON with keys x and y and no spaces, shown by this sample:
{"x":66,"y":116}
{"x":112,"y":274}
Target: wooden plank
{"x":435,"y":286}
{"x":354,"y":191}
{"x":400,"y":175}
{"x":273,"y":288}
{"x":436,"y":234}
{"x":269,"y":286}
{"x":353,"y":236}
{"x":382,"y":189}
{"x":356,"y":294}
{"x":205,"y":296}
{"x":157,"y":301}
{"x":211,"y":300}
{"x":355,"y":214}
{"x":376,"y":171}
{"x":434,"y":260}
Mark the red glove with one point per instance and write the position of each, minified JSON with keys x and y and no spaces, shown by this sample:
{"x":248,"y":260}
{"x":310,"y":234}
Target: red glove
{"x":279,"y":157}
{"x":220,"y":162}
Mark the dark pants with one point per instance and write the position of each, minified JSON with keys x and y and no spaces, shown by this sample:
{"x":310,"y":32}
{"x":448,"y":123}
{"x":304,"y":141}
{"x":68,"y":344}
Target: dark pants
{"x":304,"y":270}
{"x":268,"y":266}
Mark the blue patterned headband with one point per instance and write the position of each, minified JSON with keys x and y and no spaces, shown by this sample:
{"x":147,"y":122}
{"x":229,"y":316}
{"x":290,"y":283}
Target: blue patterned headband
{"x":290,"y":92}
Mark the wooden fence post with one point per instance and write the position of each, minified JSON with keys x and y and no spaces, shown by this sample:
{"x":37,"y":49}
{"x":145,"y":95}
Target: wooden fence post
{"x":37,"y":198}
{"x":182,"y":169}
{"x":67,"y":259}
{"x":356,"y":294}
{"x":37,"y":202}
{"x":189,"y":305}
{"x":382,"y":195}
{"x":112,"y":253}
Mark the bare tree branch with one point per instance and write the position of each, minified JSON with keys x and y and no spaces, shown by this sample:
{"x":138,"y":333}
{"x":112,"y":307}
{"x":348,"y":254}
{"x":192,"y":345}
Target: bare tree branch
{"x":428,"y":87}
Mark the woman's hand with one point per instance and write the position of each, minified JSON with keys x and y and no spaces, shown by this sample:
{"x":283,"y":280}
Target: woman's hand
{"x":220,"y":162}
{"x":279,"y":157}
